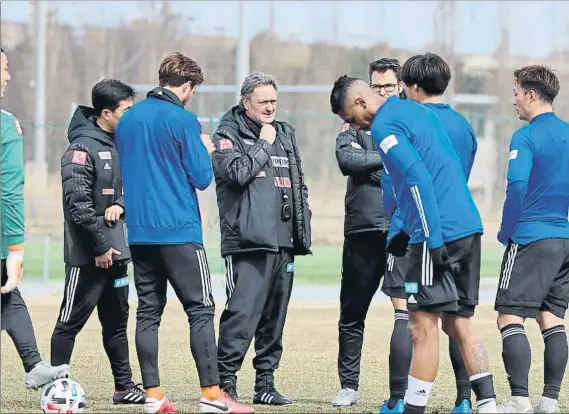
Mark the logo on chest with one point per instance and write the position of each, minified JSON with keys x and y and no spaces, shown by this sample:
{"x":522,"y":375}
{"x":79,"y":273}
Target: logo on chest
{"x":105,"y":155}
{"x":108,"y":191}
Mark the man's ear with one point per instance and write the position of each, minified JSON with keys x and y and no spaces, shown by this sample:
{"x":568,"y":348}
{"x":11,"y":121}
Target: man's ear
{"x":532,"y":95}
{"x":361,"y":102}
{"x":105,"y":114}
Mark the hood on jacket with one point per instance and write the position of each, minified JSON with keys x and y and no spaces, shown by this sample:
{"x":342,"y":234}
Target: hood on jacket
{"x":83,"y":124}
{"x":165,"y":95}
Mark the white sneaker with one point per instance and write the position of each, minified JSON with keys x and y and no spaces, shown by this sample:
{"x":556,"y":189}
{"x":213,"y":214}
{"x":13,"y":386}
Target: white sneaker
{"x":345,"y":398}
{"x":516,"y":405}
{"x":43,"y":373}
{"x":546,"y":405}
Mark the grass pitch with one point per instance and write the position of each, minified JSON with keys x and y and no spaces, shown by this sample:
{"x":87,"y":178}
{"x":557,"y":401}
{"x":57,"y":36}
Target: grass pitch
{"x":321,"y":268}
{"x":308,"y":372}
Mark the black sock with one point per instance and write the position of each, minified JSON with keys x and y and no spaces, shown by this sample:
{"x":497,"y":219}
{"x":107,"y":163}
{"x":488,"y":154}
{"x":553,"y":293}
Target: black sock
{"x":400,"y":352}
{"x":483,"y":387}
{"x":413,"y":409}
{"x":555,"y":360}
{"x":463,"y":391}
{"x":516,"y":354}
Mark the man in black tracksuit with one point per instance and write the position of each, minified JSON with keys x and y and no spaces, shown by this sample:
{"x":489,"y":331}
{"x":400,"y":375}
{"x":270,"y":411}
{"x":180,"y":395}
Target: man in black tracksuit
{"x":95,"y":251}
{"x":264,"y":223}
{"x":365,"y":234}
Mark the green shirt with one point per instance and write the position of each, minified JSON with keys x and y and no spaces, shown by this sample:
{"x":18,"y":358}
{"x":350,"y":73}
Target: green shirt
{"x":12,"y":169}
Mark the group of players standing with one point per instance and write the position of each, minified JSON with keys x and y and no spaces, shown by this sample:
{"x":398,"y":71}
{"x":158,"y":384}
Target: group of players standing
{"x":424,"y":152}
{"x":410,"y":219}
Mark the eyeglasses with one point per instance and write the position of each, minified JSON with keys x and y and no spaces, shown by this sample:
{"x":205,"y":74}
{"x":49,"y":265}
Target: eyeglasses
{"x":389,"y":87}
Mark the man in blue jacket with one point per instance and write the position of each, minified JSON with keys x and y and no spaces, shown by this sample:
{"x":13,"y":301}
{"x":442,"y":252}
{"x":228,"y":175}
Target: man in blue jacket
{"x":534,"y":279}
{"x":426,"y":78}
{"x":164,"y":158}
{"x":440,"y":223}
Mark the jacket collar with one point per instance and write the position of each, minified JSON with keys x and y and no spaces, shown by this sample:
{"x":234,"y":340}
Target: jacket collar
{"x":165,"y":95}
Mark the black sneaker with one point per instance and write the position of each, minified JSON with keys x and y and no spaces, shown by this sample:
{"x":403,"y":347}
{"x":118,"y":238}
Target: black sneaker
{"x":229,"y":386}
{"x":133,"y":395}
{"x":267,"y":394}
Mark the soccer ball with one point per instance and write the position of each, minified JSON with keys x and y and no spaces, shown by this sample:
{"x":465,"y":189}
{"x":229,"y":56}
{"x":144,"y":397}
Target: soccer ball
{"x":63,"y":396}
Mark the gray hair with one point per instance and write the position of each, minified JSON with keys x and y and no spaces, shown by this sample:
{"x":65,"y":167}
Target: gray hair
{"x":253,"y":81}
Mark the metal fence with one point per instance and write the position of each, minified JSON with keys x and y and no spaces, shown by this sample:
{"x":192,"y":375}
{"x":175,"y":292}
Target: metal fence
{"x":316,"y":135}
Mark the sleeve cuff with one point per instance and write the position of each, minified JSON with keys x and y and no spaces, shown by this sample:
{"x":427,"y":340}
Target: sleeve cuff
{"x":15,"y":242}
{"x":102,"y":248}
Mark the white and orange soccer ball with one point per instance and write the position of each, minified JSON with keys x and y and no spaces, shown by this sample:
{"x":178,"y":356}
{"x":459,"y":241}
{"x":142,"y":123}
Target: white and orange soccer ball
{"x":63,"y":396}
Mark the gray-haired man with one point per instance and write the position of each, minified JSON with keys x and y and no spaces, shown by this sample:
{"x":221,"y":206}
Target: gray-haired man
{"x":264,"y":223}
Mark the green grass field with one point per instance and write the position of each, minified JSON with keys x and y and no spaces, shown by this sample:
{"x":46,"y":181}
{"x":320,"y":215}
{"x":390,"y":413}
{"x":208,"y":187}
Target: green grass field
{"x":307,"y":373}
{"x":323,"y":267}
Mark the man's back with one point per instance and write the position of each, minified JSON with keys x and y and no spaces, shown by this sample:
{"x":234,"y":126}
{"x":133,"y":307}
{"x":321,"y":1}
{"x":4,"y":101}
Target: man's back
{"x":427,"y":135}
{"x":460,"y":133}
{"x":163,"y":161}
{"x":542,"y":150}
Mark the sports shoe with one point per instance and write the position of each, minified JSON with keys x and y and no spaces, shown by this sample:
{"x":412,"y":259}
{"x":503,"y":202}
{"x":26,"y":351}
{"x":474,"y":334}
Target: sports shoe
{"x":516,"y":405}
{"x":463,"y":408}
{"x":133,"y":395}
{"x":223,"y":405}
{"x":546,"y":405}
{"x":43,"y":372}
{"x":345,"y":398}
{"x":267,"y":394}
{"x":154,"y":405}
{"x":399,"y":407}
{"x":229,"y":386}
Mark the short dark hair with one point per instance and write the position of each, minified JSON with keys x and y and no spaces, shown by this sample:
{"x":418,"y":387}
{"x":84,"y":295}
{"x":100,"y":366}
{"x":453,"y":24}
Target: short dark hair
{"x":383,"y":65}
{"x":108,"y":94}
{"x":429,"y":72}
{"x":540,"y":79}
{"x":177,"y":69}
{"x":339,"y":92}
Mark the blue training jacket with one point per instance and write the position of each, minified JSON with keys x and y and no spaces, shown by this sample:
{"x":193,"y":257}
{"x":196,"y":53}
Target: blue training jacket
{"x":463,"y":140}
{"x":426,"y":174}
{"x":537,"y":196}
{"x":461,"y":134}
{"x":163,"y":161}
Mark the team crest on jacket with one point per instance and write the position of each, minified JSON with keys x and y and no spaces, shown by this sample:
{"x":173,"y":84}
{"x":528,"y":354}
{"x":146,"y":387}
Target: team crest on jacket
{"x":79,"y":157}
{"x":345,"y":127}
{"x":225,"y":144}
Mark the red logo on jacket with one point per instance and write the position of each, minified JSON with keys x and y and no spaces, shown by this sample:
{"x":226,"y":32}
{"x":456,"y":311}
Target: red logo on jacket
{"x":79,"y":157}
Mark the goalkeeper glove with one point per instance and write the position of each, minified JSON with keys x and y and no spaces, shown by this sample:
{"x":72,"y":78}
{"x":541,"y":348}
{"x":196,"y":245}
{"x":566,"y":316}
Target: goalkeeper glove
{"x":14,"y":269}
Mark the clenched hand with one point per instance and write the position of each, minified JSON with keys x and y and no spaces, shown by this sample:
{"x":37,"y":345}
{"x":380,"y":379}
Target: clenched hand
{"x":206,"y":139}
